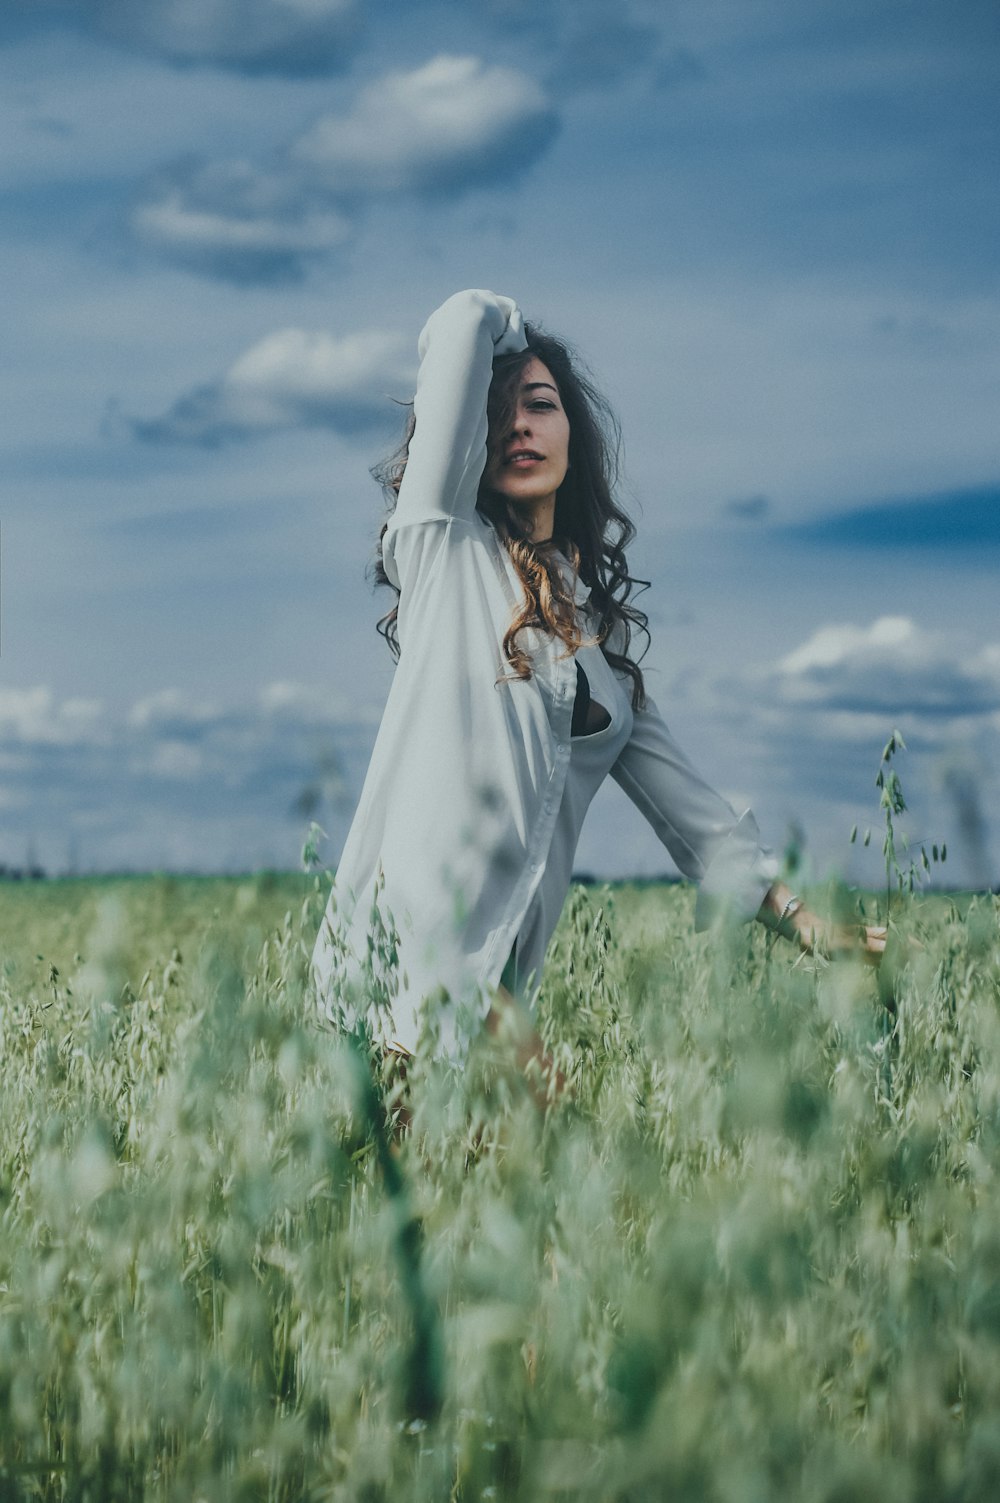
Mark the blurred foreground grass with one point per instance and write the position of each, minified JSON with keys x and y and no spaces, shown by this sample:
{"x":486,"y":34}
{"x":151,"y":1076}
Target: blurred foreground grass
{"x":755,"y":1257}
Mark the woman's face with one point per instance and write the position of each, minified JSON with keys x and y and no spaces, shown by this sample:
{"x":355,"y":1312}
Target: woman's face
{"x":528,"y":463}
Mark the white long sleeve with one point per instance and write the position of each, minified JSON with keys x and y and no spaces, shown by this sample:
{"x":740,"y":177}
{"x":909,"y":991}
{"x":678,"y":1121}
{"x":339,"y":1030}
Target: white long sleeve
{"x":709,"y":844}
{"x":447,"y":454}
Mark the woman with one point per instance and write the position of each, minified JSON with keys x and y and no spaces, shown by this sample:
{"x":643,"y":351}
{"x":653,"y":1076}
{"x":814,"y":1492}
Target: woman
{"x":514,"y":695}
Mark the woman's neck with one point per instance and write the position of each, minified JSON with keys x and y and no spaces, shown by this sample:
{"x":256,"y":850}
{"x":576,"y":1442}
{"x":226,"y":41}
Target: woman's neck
{"x":538,"y":520}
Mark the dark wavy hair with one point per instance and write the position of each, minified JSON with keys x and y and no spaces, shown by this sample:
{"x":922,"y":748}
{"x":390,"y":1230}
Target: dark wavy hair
{"x":590,"y":528}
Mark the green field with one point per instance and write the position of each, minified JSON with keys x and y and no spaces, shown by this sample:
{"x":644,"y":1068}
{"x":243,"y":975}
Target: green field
{"x":754,"y":1257}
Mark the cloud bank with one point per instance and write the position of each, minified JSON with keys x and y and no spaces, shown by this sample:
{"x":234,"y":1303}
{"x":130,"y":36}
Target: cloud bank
{"x":807,"y":732}
{"x":175,"y":781}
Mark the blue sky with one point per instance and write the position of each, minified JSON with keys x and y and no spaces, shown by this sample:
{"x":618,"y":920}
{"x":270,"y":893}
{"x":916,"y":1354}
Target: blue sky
{"x":771,"y":230}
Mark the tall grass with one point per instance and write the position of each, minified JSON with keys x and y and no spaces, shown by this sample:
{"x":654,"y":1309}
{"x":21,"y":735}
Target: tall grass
{"x":755,"y":1253}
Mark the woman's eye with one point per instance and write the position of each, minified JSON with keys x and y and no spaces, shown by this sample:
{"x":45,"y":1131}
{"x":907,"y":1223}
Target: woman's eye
{"x":542,"y":406}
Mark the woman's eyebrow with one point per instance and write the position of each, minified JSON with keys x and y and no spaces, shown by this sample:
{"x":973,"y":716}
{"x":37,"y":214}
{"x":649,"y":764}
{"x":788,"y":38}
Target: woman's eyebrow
{"x":534,"y":385}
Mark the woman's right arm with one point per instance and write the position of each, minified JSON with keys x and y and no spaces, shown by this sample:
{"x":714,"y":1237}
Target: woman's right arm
{"x":788,"y":916}
{"x":447,"y":452}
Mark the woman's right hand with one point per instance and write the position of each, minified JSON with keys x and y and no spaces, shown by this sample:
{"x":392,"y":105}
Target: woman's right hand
{"x":815,"y":935}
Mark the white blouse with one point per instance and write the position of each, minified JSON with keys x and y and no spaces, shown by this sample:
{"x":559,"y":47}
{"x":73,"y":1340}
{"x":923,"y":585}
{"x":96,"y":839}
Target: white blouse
{"x":592,"y":756}
{"x":472,"y":805}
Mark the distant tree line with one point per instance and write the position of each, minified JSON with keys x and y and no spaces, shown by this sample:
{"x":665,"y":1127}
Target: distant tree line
{"x":32,"y":873}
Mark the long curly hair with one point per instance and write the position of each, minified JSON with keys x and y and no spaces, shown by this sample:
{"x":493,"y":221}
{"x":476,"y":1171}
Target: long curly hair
{"x":589,"y":528}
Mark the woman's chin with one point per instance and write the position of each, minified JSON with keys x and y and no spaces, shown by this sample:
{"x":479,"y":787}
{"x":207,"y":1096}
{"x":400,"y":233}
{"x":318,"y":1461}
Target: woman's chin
{"x":523,"y":494}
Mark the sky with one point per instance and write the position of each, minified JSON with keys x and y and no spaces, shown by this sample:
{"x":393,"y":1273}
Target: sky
{"x":771,"y":232}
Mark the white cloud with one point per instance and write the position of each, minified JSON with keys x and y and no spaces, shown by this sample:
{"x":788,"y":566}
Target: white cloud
{"x":444,"y":126}
{"x":892,"y":668}
{"x":811,"y":728}
{"x":237,"y":220}
{"x":203,"y":236}
{"x":834,"y":645}
{"x":170,"y":710}
{"x":310,"y":706}
{"x":32,"y":717}
{"x":291,"y":378}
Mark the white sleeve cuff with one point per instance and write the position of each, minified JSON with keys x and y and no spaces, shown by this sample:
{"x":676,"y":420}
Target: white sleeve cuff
{"x":737,"y":878}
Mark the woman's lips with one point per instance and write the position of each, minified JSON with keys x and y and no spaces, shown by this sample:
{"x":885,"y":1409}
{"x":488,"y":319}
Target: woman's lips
{"x":523,"y":457}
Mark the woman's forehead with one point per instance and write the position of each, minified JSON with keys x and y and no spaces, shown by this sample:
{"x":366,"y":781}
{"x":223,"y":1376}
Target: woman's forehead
{"x":537,"y":373}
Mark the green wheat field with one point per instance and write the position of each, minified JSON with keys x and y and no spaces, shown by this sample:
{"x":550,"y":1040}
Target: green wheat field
{"x":754,"y":1256}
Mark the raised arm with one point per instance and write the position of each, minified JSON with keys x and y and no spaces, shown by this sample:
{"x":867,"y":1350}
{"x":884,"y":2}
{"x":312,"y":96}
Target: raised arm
{"x":447,"y":452}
